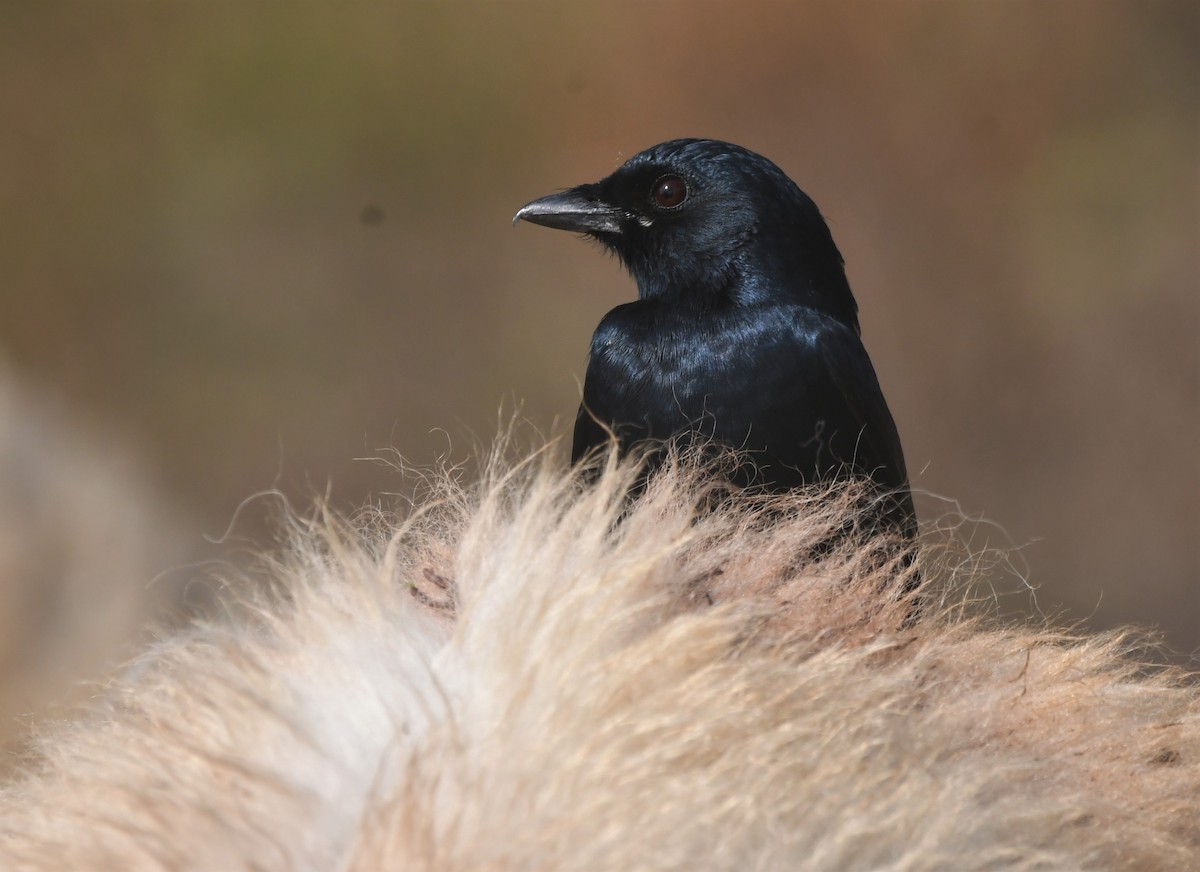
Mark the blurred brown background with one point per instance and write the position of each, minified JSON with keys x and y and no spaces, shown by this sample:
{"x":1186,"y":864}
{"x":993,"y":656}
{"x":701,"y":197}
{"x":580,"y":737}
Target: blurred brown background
{"x":254,"y":242}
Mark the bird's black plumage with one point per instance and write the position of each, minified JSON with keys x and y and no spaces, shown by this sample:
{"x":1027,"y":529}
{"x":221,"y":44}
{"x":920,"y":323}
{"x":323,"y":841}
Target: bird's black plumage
{"x":745,"y":331}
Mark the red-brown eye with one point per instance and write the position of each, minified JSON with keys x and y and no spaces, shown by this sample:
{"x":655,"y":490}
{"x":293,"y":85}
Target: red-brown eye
{"x":669,"y":192}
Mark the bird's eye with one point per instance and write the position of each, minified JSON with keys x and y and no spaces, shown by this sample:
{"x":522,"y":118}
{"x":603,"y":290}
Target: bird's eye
{"x":669,"y":192}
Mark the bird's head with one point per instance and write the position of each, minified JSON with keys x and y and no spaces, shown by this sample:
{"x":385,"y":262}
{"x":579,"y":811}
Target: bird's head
{"x":708,"y":222}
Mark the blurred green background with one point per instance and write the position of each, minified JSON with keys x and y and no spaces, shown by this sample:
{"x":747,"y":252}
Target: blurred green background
{"x":254,"y":242}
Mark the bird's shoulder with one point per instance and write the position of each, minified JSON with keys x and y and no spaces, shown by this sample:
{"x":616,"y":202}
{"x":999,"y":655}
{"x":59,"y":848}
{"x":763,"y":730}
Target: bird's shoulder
{"x":652,"y":321}
{"x":778,"y":344}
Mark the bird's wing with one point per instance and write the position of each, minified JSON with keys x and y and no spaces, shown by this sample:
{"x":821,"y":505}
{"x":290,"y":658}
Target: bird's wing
{"x":589,"y":433}
{"x":849,"y":373}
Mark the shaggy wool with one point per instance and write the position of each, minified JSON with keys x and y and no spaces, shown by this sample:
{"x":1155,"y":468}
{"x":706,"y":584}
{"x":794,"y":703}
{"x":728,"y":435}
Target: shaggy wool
{"x":537,"y":673}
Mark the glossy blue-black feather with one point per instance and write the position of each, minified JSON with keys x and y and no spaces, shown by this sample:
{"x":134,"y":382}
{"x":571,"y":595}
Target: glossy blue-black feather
{"x":745,"y":331}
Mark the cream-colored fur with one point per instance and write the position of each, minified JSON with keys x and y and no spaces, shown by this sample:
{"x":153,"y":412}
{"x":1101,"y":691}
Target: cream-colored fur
{"x":533,"y":675}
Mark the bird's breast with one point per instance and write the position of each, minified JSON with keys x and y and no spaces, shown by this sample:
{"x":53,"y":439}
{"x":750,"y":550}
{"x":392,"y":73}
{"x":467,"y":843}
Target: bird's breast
{"x":671,"y":378}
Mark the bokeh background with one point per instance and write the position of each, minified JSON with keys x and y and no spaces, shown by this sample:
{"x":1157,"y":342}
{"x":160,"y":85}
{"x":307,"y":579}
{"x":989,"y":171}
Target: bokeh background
{"x":245,"y":245}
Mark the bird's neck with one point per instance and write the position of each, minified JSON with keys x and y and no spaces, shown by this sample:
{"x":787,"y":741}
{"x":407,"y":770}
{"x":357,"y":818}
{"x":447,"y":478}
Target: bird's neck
{"x":753,"y":278}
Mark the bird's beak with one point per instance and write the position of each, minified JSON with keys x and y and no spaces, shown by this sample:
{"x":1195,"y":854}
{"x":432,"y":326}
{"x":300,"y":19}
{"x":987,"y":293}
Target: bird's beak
{"x":578,"y":209}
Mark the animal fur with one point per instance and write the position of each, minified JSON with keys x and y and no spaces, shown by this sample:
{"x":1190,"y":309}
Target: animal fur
{"x":535,"y":675}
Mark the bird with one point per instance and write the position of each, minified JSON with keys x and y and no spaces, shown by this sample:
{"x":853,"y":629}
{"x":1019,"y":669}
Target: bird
{"x":745,"y":332}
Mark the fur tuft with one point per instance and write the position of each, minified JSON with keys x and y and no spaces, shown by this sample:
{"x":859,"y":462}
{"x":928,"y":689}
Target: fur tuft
{"x":537,"y":673}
